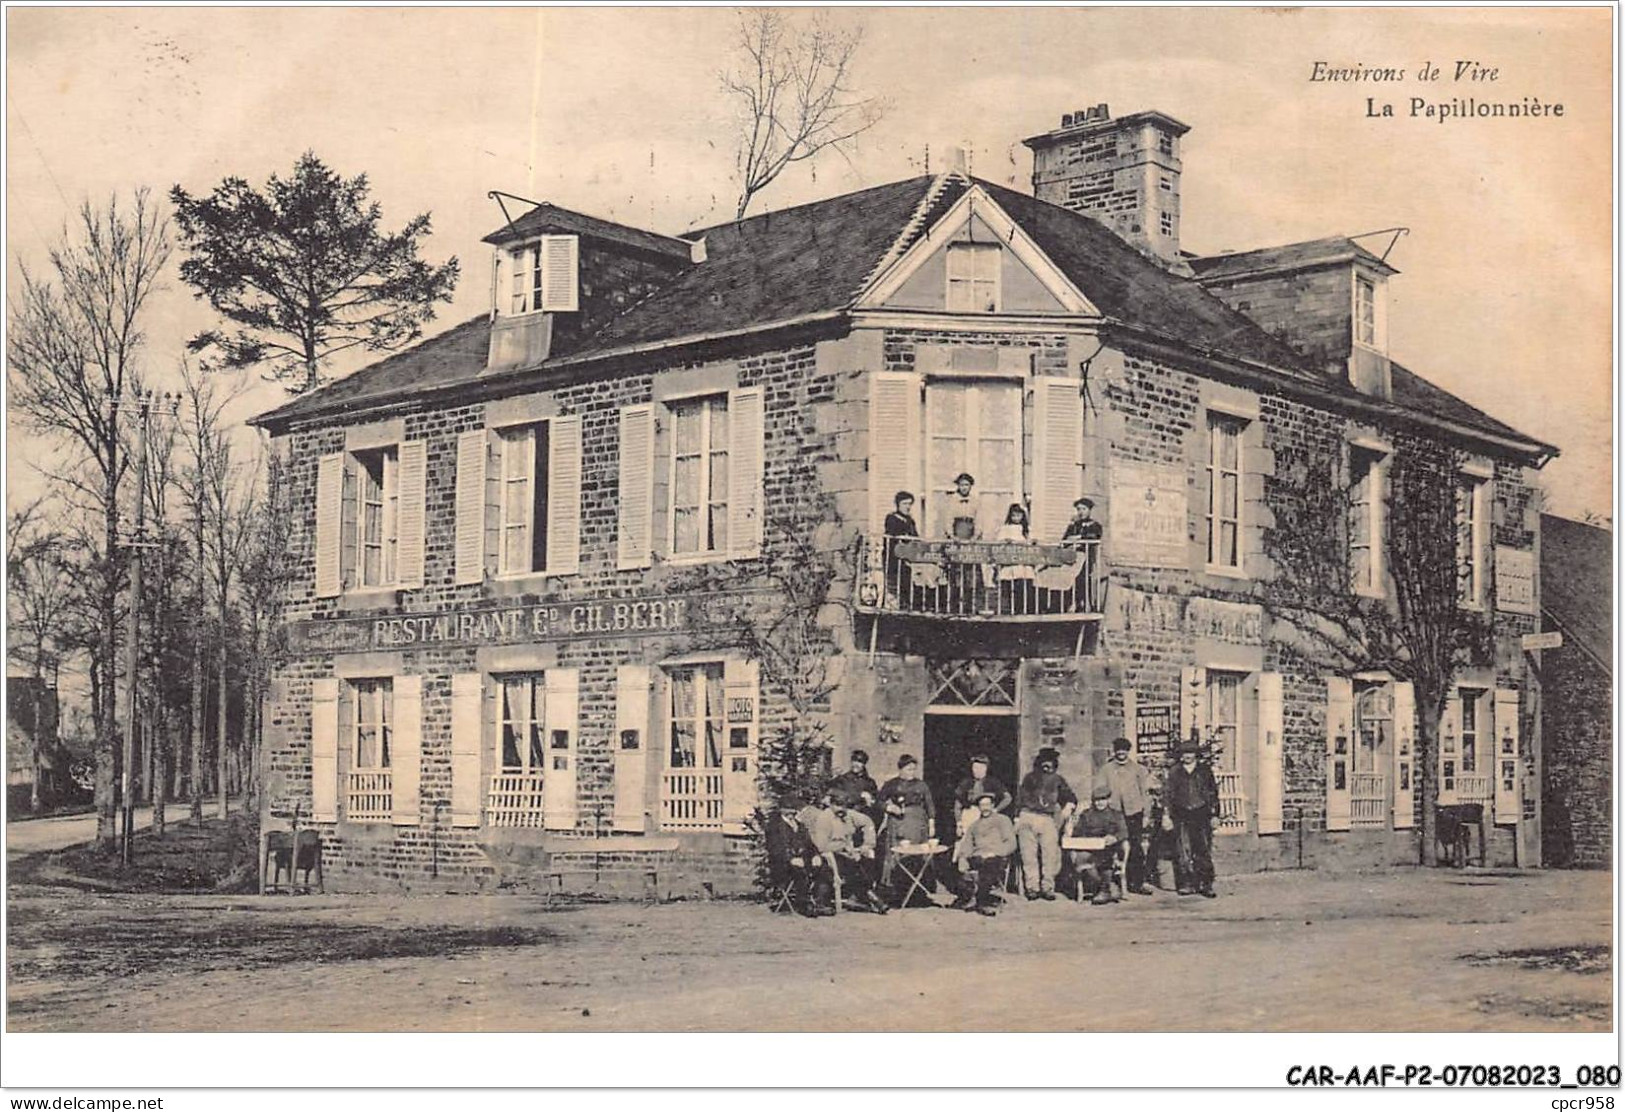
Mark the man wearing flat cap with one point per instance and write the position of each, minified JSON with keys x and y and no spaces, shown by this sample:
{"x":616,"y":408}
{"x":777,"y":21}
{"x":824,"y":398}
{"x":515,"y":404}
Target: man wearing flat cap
{"x":1191,"y":799}
{"x":966,"y":794}
{"x":988,"y":843}
{"x":860,"y":789}
{"x":1130,"y":785}
{"x":959,"y":513}
{"x":1083,"y":533}
{"x":1046,"y":802}
{"x":786,"y":840}
{"x":1105,"y":822}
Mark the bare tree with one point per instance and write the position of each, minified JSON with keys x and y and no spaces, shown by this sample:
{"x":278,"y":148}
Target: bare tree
{"x":1420,"y":633}
{"x":40,"y":588}
{"x":72,"y":348}
{"x":790,"y":84}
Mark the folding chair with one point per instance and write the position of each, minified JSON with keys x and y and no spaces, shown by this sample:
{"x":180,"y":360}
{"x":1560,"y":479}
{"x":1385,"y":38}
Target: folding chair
{"x":795,"y":887}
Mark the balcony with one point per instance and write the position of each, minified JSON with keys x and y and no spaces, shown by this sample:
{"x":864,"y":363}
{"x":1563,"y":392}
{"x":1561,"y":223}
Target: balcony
{"x":515,"y":800}
{"x":691,"y":799}
{"x":980,"y":581}
{"x":370,"y":796}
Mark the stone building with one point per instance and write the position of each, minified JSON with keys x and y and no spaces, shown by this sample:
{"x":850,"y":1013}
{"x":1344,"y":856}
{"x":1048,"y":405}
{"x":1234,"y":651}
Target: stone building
{"x":568,"y":565}
{"x":1577,"y":686}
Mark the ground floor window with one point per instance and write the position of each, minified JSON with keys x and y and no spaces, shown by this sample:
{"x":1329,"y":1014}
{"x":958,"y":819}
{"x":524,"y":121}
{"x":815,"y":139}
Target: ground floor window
{"x":692,"y":783}
{"x":515,"y":794}
{"x":1231,"y":715}
{"x":369,"y":791}
{"x":1373,"y":733}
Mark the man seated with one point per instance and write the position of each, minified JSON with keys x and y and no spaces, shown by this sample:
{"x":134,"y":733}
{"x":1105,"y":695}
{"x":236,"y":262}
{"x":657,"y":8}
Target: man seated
{"x":838,"y":840}
{"x":988,"y":845}
{"x":1094,"y":867}
{"x":784,"y":837}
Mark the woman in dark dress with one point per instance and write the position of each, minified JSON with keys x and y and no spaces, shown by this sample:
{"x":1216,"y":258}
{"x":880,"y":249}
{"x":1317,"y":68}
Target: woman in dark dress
{"x":900,"y":523}
{"x":910,"y":813}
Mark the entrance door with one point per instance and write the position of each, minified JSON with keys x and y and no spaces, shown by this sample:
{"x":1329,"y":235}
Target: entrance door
{"x":951,"y":740}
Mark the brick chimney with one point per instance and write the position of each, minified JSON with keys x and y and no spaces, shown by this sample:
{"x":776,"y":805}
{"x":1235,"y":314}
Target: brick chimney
{"x":1122,"y":172}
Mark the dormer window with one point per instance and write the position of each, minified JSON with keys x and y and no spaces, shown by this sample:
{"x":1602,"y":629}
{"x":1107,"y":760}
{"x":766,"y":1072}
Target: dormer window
{"x":973,"y":278}
{"x":543,"y":276}
{"x":1370,"y":314}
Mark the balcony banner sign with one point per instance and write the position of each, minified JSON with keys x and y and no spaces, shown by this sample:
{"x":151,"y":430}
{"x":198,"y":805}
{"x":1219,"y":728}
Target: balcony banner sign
{"x":1147,"y":527}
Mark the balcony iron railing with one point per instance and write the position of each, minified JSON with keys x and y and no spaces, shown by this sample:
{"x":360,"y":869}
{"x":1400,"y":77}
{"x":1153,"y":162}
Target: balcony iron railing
{"x":515,"y":799}
{"x":980,"y":579}
{"x":370,"y":796}
{"x":691,"y":799}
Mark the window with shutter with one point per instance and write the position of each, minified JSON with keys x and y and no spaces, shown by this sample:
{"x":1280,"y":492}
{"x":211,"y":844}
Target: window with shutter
{"x":974,"y":427}
{"x":470,"y":545}
{"x":559,"y":785}
{"x":1366,"y":506}
{"x":324,"y":745}
{"x":406,"y":758}
{"x":413,"y":514}
{"x":631,"y":746}
{"x":522,"y":503}
{"x":1224,"y":436}
{"x":467,"y":772}
{"x":1506,"y":756}
{"x":1057,"y":455}
{"x":1404,"y":756}
{"x":894,"y":441}
{"x":635,"y":512}
{"x":369,"y":795}
{"x":329,"y":525}
{"x":377,"y":523}
{"x":745,"y":466}
{"x":741,"y":697}
{"x":1271,"y":727}
{"x":700,"y":477}
{"x":563,"y":543}
{"x":544,"y":276}
{"x":1339,"y":727}
{"x":519,"y":771}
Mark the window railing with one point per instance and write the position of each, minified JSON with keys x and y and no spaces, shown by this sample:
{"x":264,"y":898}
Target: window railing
{"x":515,"y":799}
{"x":1232,"y":803}
{"x":1368,"y":799}
{"x":1472,"y":787}
{"x":691,"y":799}
{"x":980,"y":579}
{"x":369,"y":796}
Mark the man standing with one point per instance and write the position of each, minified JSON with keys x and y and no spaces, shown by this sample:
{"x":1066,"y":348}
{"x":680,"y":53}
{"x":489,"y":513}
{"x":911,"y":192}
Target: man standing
{"x":1130,"y":786}
{"x":988,"y":843}
{"x":1046,"y":802}
{"x":1191,"y":797}
{"x":1105,"y":822}
{"x":1083,"y":533}
{"x":860,"y":789}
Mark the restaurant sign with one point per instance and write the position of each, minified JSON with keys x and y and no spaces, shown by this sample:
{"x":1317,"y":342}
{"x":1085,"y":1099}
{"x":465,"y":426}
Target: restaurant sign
{"x":1515,"y":580}
{"x":1148,"y":527}
{"x":507,"y":625}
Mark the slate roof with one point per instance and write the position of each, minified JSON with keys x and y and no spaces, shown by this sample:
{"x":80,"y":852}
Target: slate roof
{"x":813,"y":260}
{"x":1329,"y":251}
{"x":550,"y":218}
{"x":1577,"y":583}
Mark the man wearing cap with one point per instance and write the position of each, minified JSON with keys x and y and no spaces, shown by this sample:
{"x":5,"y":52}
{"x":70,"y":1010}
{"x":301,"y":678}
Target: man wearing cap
{"x":1094,"y":866}
{"x":835,"y":841}
{"x":860,"y":789}
{"x":988,"y":843}
{"x":909,"y":812}
{"x":1191,"y":799}
{"x":966,"y":794}
{"x":1083,"y":533}
{"x":960,"y":522}
{"x":1046,"y":802}
{"x":785,"y":841}
{"x":1130,"y":787}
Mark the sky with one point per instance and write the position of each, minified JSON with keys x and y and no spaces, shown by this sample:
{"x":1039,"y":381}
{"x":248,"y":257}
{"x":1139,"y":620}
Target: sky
{"x":1504,"y":295}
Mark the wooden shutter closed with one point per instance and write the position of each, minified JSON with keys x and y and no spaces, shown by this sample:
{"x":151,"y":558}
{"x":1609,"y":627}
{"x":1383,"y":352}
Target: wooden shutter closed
{"x":1404,"y":756}
{"x":635,"y":524}
{"x":1506,"y":756}
{"x":1057,"y":455}
{"x":406,"y":754}
{"x":560,"y":273}
{"x":1339,"y":751}
{"x":631,"y":746}
{"x":745,"y":462}
{"x":1271,"y":726}
{"x":324,"y":751}
{"x":471,"y":449}
{"x":467,"y":773}
{"x":564,"y":496}
{"x":1192,"y":705}
{"x":1448,"y":758}
{"x":414,"y":476}
{"x":329,"y":524}
{"x":559,"y":778}
{"x":741,"y":708}
{"x":894,"y":443}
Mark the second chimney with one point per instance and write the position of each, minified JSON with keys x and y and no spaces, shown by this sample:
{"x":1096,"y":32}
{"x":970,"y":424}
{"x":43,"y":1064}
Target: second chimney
{"x":1123,"y":172}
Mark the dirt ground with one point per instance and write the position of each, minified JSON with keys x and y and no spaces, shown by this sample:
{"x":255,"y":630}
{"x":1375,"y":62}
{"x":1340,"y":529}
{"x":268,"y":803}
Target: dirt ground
{"x":1405,"y":950}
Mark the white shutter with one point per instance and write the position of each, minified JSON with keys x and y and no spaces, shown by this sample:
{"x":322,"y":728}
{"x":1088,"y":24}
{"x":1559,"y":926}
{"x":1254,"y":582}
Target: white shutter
{"x":564,"y":496}
{"x":1192,"y":705}
{"x":1339,"y":751}
{"x":406,"y":750}
{"x":324,"y":751}
{"x":894,"y":442}
{"x":413,"y":480}
{"x":742,"y":711}
{"x":1057,"y":455}
{"x":745,"y":459}
{"x":631,"y":745}
{"x":560,"y":271}
{"x":329,"y":524}
{"x":1506,"y":756}
{"x":1271,"y":724}
{"x":559,"y":778}
{"x":467,"y":774}
{"x":471,"y":506}
{"x":1404,"y":755}
{"x":635,"y":527}
{"x":1448,"y":758}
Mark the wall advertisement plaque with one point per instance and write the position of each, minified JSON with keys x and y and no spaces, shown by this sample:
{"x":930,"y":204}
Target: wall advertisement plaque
{"x":1147,"y":527}
{"x":1515,"y":580}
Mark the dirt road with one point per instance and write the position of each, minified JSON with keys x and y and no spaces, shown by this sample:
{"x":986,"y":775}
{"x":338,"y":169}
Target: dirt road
{"x":1405,"y":950}
{"x":61,"y":831}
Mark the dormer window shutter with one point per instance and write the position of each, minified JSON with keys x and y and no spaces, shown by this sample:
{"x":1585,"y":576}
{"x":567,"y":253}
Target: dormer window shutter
{"x":560,"y":274}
